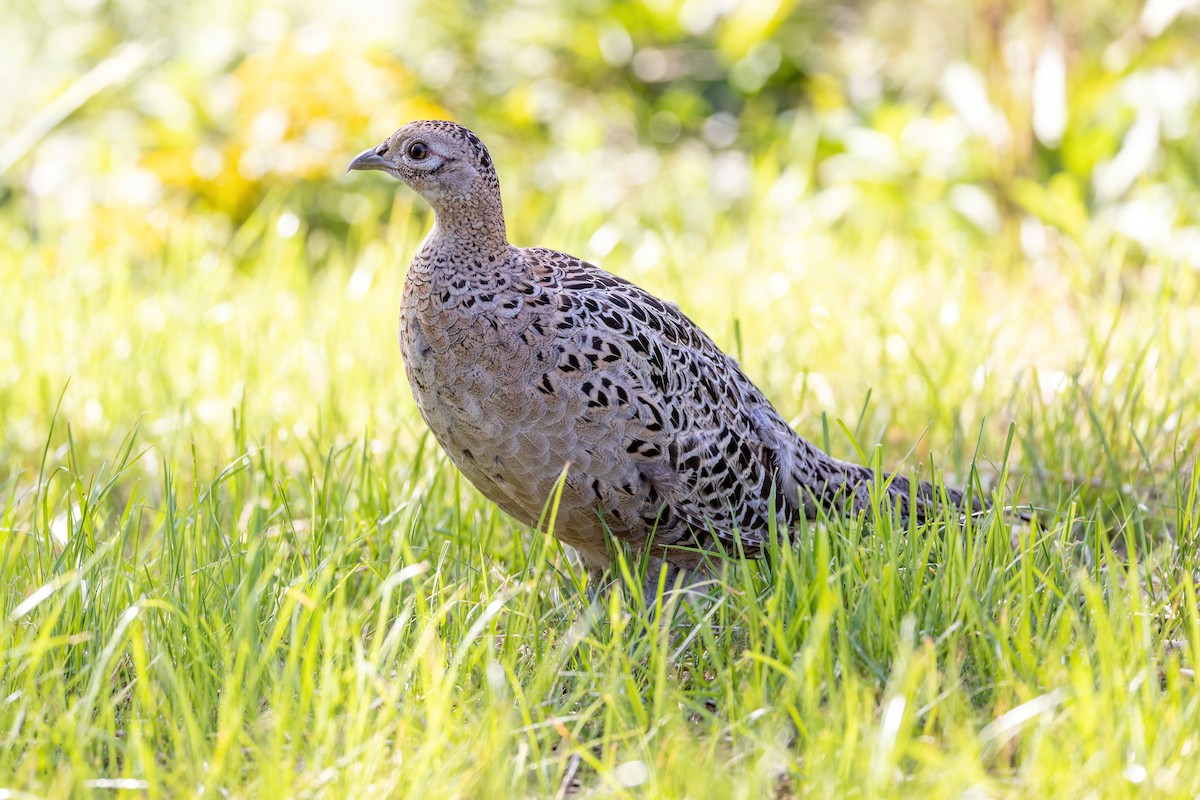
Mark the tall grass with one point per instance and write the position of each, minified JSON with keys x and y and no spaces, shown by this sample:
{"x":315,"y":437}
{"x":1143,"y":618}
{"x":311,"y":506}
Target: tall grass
{"x":234,"y":563}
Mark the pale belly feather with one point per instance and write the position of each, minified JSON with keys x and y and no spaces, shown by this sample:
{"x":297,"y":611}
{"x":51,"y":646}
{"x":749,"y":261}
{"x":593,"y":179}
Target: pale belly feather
{"x":471,"y":414}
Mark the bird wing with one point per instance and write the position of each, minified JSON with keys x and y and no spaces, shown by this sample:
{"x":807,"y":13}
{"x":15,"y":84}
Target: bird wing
{"x":705,"y":443}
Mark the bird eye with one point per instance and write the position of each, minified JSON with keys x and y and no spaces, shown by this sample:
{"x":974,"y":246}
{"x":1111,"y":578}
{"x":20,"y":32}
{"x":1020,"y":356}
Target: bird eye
{"x":418,"y":151}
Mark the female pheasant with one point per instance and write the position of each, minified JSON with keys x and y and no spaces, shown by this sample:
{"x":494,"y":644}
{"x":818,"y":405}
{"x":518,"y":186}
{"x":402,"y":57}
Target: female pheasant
{"x":524,"y":361}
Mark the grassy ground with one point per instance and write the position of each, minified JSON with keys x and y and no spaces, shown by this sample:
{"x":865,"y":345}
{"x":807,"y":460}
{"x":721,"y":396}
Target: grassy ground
{"x":232,"y":562}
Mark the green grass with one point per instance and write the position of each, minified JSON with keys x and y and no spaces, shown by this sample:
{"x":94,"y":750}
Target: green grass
{"x":233,"y":563}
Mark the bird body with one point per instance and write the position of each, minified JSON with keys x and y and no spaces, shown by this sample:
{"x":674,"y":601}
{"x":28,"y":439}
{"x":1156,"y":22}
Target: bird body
{"x":526,"y":361}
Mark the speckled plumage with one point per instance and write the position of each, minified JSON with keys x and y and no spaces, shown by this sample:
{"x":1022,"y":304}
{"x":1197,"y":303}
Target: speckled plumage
{"x":524,"y":360}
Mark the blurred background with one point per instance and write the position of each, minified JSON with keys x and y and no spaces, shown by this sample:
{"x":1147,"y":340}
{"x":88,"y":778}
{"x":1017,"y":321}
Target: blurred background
{"x":938,"y":205}
{"x":989,"y":118}
{"x":958,"y":232}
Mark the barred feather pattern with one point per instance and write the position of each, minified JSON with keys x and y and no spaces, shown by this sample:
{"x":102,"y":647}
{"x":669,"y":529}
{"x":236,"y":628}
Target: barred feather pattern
{"x":524,"y":361}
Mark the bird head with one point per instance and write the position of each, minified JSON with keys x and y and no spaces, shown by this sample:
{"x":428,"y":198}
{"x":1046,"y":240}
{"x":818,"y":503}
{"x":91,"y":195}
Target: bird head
{"x":442,"y":161}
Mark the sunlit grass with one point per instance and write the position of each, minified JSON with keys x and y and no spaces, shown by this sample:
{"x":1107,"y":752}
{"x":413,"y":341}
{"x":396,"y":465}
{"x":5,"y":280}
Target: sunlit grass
{"x":234,"y":562}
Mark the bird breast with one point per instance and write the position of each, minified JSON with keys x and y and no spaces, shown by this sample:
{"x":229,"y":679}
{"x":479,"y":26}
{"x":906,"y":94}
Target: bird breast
{"x":472,"y":376}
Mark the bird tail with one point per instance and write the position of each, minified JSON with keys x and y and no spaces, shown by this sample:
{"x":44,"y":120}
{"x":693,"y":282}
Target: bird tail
{"x":850,"y":487}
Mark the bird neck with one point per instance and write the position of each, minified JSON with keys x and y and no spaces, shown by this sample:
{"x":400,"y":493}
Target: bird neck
{"x":474,"y":223}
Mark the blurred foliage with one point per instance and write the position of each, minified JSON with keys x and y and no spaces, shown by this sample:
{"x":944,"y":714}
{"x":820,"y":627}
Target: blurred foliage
{"x":946,"y":228}
{"x":850,"y":165}
{"x":1033,"y":125}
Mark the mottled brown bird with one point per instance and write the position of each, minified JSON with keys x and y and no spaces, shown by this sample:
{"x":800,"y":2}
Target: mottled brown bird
{"x":524,"y":360}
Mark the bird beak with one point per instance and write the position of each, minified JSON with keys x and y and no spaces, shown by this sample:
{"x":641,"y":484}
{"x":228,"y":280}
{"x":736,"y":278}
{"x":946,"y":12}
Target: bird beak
{"x":368,"y":159}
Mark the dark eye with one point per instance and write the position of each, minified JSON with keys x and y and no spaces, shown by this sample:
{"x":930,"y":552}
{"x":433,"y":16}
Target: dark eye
{"x":418,"y":151}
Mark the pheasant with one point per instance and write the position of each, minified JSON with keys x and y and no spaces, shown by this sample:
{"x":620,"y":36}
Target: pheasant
{"x":524,"y":361}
